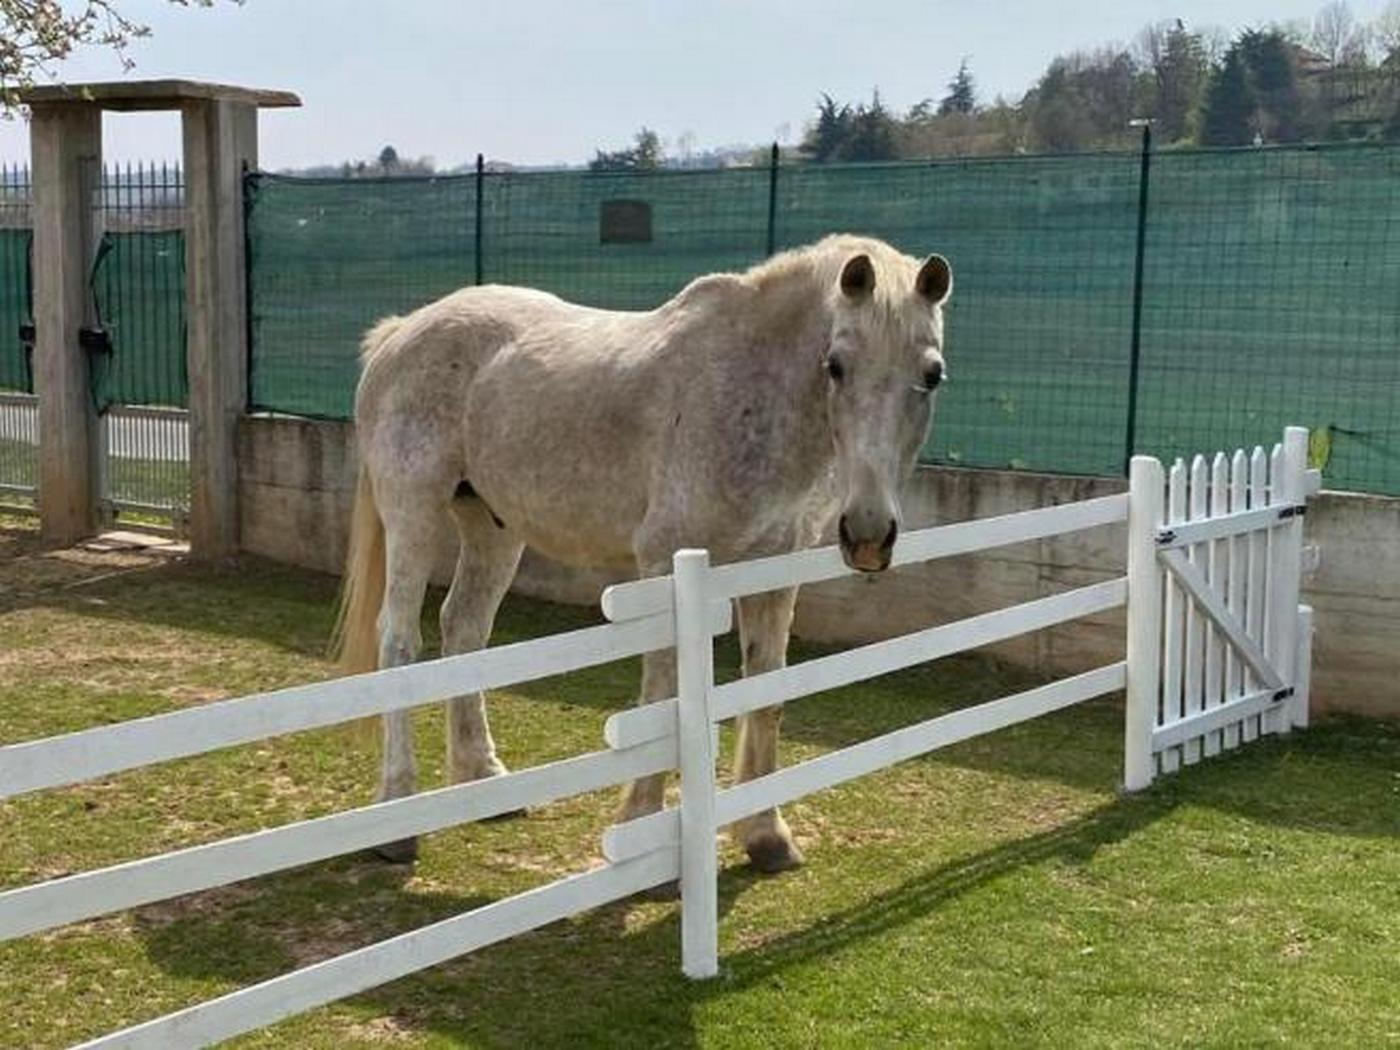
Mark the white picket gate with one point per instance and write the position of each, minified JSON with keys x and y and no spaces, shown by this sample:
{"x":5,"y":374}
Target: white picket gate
{"x":1219,"y":648}
{"x":1216,"y":654}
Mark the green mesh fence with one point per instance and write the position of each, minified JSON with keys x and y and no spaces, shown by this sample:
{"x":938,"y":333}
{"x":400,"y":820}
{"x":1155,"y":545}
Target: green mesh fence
{"x":621,"y":240}
{"x":1040,"y":319}
{"x":15,"y":371}
{"x":1269,"y":290}
{"x":15,"y":238}
{"x":138,"y":284}
{"x":327,"y":258}
{"x":1271,"y":296}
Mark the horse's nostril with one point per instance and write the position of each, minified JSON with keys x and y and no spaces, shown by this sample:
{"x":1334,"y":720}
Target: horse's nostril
{"x":888,"y":543}
{"x":844,"y":531}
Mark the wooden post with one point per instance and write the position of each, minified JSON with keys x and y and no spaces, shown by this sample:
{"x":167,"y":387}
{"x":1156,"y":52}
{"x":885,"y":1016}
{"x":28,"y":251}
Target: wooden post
{"x":66,"y":140}
{"x":695,"y":681}
{"x":1144,"y":620}
{"x":221,"y":138}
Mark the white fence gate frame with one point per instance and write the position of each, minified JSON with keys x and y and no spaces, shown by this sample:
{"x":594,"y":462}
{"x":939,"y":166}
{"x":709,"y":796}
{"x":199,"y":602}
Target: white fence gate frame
{"x":1250,"y":669}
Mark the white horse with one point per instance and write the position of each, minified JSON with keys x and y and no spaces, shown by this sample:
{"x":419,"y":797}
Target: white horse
{"x":741,"y":416}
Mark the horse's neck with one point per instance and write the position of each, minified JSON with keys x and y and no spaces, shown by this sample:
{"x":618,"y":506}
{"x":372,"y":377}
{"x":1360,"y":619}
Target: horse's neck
{"x":794,"y":340}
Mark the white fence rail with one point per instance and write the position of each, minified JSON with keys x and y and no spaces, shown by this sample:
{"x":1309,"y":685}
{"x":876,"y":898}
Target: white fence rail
{"x":1217,"y":652}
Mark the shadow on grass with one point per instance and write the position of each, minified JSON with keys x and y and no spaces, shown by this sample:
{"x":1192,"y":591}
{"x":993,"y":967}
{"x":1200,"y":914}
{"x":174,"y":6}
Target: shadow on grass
{"x":598,"y":980}
{"x":611,"y":976}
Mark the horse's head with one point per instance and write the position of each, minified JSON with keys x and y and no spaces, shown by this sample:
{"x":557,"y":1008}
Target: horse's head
{"x":883,"y":363}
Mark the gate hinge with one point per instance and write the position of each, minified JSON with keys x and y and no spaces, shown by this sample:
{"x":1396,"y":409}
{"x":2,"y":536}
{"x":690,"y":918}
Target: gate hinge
{"x":26,"y":335}
{"x":1165,"y":536}
{"x":95,"y":340}
{"x":1283,"y":694}
{"x":1296,"y":510}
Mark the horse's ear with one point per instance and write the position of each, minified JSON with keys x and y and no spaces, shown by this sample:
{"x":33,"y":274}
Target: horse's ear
{"x":858,"y":277}
{"x":935,"y":279}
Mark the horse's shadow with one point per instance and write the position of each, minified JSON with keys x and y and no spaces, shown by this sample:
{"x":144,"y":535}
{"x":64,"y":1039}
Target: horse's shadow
{"x":608,"y":978}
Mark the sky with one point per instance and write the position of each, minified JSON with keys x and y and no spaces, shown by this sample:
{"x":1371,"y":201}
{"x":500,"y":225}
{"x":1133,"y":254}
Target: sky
{"x":546,"y":81}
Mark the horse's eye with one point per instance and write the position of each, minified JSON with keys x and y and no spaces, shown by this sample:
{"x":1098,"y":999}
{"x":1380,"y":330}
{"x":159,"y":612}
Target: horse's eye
{"x":835,"y":369}
{"x":933,"y":375}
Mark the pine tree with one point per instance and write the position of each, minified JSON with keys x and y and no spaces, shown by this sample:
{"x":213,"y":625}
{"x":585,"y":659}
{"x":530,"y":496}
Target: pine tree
{"x":825,"y":138}
{"x":872,"y":135}
{"x":1181,"y":73}
{"x":1229,"y":109}
{"x":1269,"y":59}
{"x":962,"y":93}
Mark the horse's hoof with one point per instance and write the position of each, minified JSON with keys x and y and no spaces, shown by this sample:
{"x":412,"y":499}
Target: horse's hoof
{"x":667,"y":891}
{"x":403,"y":851}
{"x":771,"y":854}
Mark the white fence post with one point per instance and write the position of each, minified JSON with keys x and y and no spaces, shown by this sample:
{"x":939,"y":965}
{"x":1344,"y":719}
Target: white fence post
{"x":1291,"y":488}
{"x":1302,"y":689}
{"x":695,"y":678}
{"x":1144,"y":620}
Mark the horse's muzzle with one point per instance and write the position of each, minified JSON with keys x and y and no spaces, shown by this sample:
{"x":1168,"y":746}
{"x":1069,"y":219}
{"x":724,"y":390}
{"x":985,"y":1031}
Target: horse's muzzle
{"x":867,"y":555}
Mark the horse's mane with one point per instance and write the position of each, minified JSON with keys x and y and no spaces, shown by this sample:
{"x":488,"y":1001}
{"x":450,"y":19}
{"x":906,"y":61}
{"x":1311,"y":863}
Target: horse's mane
{"x":380,"y":334}
{"x":821,"y":263}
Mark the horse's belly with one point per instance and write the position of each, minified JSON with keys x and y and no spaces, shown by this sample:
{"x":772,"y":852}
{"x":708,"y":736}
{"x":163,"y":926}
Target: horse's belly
{"x":564,"y":510}
{"x":559,"y":453}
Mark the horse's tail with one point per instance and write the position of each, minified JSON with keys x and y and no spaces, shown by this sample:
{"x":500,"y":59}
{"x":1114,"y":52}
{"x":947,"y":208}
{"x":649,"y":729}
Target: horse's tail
{"x":355,"y":637}
{"x":355,"y":640}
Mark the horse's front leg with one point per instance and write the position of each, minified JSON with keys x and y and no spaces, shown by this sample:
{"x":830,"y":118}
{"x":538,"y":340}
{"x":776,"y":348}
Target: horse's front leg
{"x":764,"y":623}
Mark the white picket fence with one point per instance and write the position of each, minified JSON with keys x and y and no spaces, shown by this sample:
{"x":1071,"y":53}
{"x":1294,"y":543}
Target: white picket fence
{"x":1214,"y":657}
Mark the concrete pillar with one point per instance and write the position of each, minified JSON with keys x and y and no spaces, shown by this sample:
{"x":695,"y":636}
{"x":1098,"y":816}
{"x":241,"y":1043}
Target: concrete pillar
{"x":66,"y":140}
{"x":221,"y":137}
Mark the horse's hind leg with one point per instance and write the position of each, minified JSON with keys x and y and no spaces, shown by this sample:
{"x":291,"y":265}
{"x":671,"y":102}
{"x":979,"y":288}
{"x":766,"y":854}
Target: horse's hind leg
{"x":646,"y":794}
{"x":486,"y":562}
{"x":764,"y":623}
{"x":411,"y":531}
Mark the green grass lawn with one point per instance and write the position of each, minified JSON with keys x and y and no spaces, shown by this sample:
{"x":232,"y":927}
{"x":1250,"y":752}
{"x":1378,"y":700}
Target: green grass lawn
{"x":998,"y":893}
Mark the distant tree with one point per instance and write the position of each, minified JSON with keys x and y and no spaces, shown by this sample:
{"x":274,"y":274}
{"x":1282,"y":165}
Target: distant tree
{"x":35,"y":34}
{"x":924,"y":110}
{"x":962,"y":93}
{"x":832,"y":127}
{"x":872,"y":135}
{"x":645,"y":154}
{"x":1334,"y":31}
{"x":1083,"y":101}
{"x":647,"y":150}
{"x":1269,"y":58}
{"x":1228,"y":117}
{"x":388,"y":159}
{"x":1178,"y":70}
{"x":1385,"y":30}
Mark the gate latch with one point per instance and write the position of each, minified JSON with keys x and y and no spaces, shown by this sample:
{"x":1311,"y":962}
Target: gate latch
{"x":95,"y":340}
